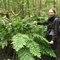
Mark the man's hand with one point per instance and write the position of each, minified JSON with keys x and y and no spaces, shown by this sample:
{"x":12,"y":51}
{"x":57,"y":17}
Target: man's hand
{"x":51,"y":42}
{"x":35,"y":22}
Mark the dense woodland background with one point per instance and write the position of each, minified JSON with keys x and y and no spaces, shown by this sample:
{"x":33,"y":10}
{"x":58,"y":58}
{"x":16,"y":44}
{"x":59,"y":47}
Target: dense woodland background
{"x":20,"y":39}
{"x":29,"y":7}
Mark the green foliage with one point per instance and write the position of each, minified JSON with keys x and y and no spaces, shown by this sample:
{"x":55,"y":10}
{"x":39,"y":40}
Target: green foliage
{"x":44,"y":45}
{"x":24,"y":54}
{"x":3,"y":33}
{"x":19,"y":41}
{"x":34,"y":48}
{"x":27,"y":39}
{"x":3,"y":43}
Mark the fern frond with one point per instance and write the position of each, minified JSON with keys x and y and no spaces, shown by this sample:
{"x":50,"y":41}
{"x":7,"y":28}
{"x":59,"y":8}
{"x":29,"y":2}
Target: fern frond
{"x":19,"y":40}
{"x":24,"y":54}
{"x":34,"y":48}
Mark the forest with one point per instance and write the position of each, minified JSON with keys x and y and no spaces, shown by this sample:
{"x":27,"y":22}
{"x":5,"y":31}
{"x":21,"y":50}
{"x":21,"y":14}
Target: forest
{"x":20,"y":39}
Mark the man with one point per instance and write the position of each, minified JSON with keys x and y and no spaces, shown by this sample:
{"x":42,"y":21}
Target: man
{"x":52,"y":29}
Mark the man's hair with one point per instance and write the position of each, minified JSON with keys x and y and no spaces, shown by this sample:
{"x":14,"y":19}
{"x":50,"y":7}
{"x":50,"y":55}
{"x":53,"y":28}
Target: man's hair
{"x":53,"y":10}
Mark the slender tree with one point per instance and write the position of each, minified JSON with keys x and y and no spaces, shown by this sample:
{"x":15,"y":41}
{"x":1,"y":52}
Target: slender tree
{"x":28,"y":8}
{"x":37,"y":7}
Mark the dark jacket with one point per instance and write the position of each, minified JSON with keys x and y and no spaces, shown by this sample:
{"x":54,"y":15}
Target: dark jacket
{"x":52,"y":24}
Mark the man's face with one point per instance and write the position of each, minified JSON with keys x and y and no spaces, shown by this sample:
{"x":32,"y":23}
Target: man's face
{"x":51,"y":13}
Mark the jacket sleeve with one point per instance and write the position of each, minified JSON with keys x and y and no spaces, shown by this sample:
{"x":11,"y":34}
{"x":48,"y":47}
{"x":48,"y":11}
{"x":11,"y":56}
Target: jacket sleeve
{"x":43,"y":23}
{"x":56,"y":27}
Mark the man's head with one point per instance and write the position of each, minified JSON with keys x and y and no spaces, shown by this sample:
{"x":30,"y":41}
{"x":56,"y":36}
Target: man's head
{"x":51,"y":12}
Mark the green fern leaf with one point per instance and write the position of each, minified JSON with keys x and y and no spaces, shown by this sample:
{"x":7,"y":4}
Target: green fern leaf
{"x":44,"y":45}
{"x":46,"y":50}
{"x":24,"y":54}
{"x":34,"y":48}
{"x":41,"y":39}
{"x":3,"y":43}
{"x":19,"y":40}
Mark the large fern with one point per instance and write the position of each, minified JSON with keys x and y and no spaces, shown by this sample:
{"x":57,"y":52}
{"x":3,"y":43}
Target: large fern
{"x":27,"y":39}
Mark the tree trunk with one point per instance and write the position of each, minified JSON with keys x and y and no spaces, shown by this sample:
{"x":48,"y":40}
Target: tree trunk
{"x":54,"y":3}
{"x":28,"y":8}
{"x":8,"y":5}
{"x":4,"y":1}
{"x":37,"y":8}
